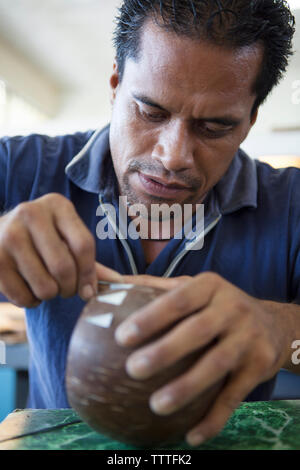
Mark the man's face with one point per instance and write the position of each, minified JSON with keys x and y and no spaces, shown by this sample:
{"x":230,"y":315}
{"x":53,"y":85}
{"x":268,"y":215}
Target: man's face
{"x":179,"y":116}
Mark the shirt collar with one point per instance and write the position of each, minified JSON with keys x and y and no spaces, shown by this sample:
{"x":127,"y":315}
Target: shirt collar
{"x":92,"y":170}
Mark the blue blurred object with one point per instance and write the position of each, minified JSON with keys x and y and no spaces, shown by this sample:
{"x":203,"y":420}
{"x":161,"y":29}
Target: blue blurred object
{"x":14,"y":379}
{"x":7,"y":386}
{"x":287,"y":386}
{"x":7,"y":391}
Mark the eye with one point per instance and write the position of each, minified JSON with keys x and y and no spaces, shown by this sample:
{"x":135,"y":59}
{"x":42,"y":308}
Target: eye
{"x":154,"y":117}
{"x":151,"y":115}
{"x":213,"y":130}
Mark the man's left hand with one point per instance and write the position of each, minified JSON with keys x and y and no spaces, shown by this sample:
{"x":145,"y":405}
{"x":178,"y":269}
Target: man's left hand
{"x":253,"y":343}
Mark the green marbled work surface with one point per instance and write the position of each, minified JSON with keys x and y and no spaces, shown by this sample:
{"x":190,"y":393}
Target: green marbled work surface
{"x":256,"y":425}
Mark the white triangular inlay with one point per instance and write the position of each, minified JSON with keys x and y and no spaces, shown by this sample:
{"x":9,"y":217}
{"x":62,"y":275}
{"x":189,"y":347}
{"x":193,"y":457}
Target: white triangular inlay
{"x":115,"y":298}
{"x":121,"y":286}
{"x":104,"y":321}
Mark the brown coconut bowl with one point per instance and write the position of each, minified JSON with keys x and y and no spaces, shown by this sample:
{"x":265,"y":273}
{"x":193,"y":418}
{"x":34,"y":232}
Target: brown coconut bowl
{"x":99,"y":388}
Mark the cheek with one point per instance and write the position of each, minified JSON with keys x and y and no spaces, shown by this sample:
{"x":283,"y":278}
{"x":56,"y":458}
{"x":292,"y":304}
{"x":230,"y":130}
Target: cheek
{"x":213,"y":157}
{"x":128,"y":144}
{"x":129,"y":138}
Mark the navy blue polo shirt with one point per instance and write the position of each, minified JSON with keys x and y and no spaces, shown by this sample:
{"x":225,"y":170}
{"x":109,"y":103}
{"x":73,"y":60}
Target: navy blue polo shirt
{"x":252,"y":237}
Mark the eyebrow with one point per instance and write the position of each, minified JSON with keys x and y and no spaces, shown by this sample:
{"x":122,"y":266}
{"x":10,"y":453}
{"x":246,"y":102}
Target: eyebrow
{"x":225,"y":121}
{"x":148,"y":102}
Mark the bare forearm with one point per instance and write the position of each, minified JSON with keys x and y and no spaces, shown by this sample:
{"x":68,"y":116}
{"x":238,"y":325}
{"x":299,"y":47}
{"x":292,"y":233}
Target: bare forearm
{"x":290,"y":321}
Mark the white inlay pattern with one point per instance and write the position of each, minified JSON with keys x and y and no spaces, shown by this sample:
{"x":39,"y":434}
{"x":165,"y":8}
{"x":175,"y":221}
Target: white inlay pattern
{"x":104,"y":321}
{"x":116,"y":298}
{"x":121,"y":286}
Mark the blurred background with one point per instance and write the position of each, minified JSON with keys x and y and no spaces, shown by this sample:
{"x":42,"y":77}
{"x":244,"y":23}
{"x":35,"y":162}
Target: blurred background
{"x":56,"y":57}
{"x":55,"y":61}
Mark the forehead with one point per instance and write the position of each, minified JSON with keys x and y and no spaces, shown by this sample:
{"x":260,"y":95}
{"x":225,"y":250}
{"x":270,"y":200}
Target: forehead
{"x":179,"y":67}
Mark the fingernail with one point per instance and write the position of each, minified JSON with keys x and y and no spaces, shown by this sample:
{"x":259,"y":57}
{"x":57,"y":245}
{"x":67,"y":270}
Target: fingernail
{"x":195,"y":439}
{"x":162,"y":403}
{"x":87,"y":292}
{"x":138,"y":367}
{"x":125,"y":333}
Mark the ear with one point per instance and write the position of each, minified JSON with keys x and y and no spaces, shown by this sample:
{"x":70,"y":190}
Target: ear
{"x":254,"y":117}
{"x":252,"y":122}
{"x":114,"y":82}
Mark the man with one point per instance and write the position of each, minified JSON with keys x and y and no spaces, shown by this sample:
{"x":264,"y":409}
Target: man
{"x":186,"y":87}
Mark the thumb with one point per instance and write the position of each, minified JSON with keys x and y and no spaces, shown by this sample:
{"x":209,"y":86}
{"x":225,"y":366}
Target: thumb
{"x":155,"y":281}
{"x":106,"y":274}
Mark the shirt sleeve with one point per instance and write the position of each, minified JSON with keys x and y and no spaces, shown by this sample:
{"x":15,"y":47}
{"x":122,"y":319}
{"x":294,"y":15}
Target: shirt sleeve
{"x":294,"y":234}
{"x":33,"y":166}
{"x":19,"y":161}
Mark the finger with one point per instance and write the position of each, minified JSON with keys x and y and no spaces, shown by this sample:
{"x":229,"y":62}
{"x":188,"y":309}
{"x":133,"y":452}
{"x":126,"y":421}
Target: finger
{"x":15,"y":289}
{"x":230,"y":398}
{"x":30,"y":267}
{"x":207,"y":371}
{"x":156,"y":281}
{"x":106,"y":274}
{"x":185,"y":299}
{"x":55,"y":254}
{"x":82,"y":246}
{"x":200,"y":329}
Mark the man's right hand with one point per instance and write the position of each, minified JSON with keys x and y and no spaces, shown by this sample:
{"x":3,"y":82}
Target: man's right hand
{"x":46,"y":250}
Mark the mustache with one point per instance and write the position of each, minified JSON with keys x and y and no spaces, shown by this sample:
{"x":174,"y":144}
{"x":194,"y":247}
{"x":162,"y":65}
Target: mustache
{"x":136,"y":165}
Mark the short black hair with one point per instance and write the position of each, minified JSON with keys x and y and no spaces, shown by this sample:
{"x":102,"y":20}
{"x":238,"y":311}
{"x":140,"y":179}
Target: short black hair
{"x":231,"y":23}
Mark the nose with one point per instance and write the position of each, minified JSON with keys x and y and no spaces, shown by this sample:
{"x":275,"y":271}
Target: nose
{"x":174,"y":146}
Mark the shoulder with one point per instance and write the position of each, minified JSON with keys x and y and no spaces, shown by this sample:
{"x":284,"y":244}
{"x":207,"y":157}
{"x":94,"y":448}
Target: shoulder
{"x":278,"y":183}
{"x":278,"y":196}
{"x":37,"y":145}
{"x":268,"y":173}
{"x":34,"y":165}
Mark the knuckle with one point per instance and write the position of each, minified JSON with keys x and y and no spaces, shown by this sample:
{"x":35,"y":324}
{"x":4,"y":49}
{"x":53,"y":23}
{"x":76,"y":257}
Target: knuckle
{"x":61,"y":269}
{"x":200,"y":326}
{"x":210,"y":277}
{"x":23,"y":300}
{"x":10,"y":237}
{"x":57,"y":202}
{"x":85,"y":246}
{"x":20,"y":209}
{"x":180,"y":303}
{"x":26,"y":211}
{"x":57,"y":198}
{"x":46,"y":290}
{"x":241,"y":305}
{"x":223,"y":361}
